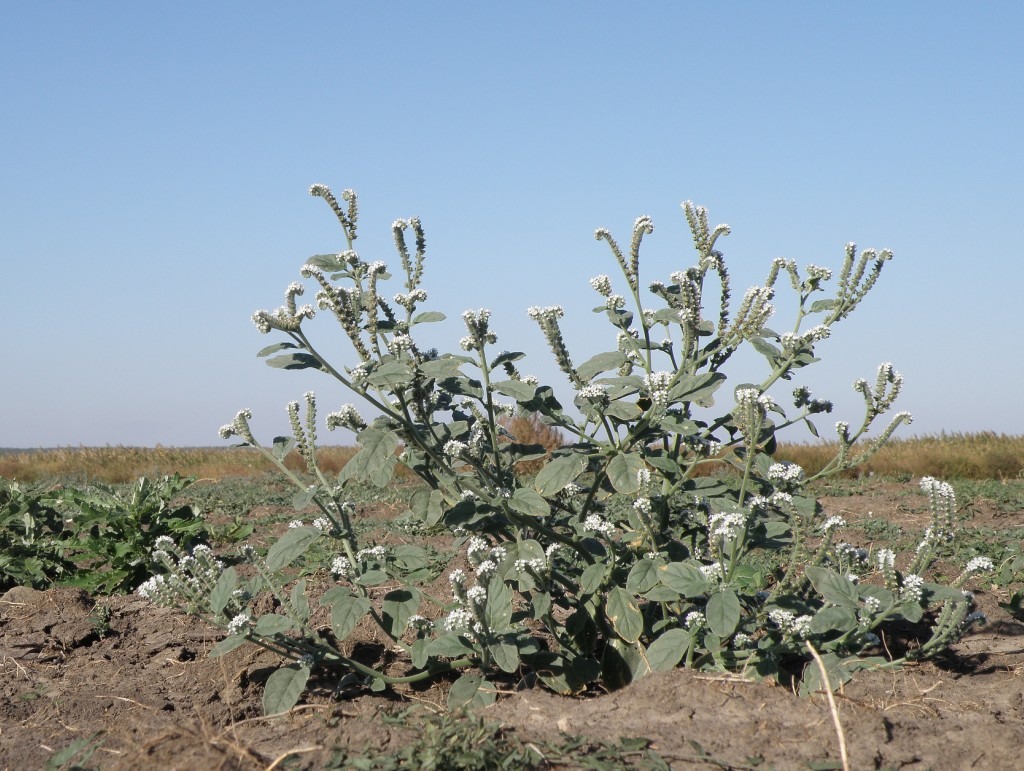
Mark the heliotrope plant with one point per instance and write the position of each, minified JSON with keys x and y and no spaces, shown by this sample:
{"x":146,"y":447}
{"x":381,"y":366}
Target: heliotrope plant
{"x":623,"y":555}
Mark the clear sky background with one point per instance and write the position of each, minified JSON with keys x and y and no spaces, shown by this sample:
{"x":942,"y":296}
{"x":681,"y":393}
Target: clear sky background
{"x":156,"y":159}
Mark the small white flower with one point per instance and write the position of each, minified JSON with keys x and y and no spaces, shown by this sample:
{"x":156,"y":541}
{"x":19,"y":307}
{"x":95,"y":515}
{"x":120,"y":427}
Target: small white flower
{"x":597,"y":524}
{"x":694,"y":620}
{"x":833,"y":522}
{"x":980,"y":564}
{"x":912,"y":587}
{"x":373,"y":552}
{"x":886,"y":558}
{"x":239,"y":624}
{"x":460,"y":618}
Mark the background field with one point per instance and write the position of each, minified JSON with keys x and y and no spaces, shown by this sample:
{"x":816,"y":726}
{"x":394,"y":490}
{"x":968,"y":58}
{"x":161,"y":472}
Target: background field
{"x":945,"y":456}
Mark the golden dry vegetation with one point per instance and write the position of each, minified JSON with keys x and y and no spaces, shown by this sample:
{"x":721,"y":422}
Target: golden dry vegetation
{"x":948,"y":456}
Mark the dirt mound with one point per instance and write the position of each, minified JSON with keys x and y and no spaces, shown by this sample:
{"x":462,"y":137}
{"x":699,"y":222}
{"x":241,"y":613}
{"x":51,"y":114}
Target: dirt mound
{"x":135,"y":682}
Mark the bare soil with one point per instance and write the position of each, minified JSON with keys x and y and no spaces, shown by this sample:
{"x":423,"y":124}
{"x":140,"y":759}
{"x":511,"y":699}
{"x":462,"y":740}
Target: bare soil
{"x":147,"y":695}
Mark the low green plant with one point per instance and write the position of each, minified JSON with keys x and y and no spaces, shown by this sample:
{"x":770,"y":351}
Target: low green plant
{"x":34,"y":540}
{"x":116,"y":530}
{"x":622,"y":556}
{"x":463,"y":741}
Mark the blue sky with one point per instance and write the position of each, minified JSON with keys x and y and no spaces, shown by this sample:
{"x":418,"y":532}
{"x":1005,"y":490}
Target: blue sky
{"x":157,"y":157}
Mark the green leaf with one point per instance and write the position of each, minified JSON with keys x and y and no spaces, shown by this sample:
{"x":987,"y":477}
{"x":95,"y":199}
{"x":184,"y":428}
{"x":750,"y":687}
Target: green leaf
{"x":505,"y":655}
{"x":446,"y":366}
{"x":221,"y":594}
{"x":272,"y":624}
{"x":299,"y":602}
{"x":592,"y":578}
{"x":835,"y":588}
{"x":373,"y":577}
{"x":684,"y":578}
{"x":428,"y":317}
{"x":697,"y":388}
{"x":376,"y":455}
{"x":471,"y":691}
{"x":264,"y":352}
{"x":283,"y":689}
{"x":822,"y":305}
{"x":668,"y":650}
{"x":303,"y":498}
{"x":622,"y":472}
{"x":529,"y":502}
{"x":911,"y":610}
{"x":282,"y":446}
{"x":390,"y":375}
{"x":559,"y":472}
{"x":623,"y":663}
{"x":624,"y":411}
{"x":834,"y":618}
{"x":566,"y":676}
{"x":540,"y":605}
{"x":601,"y":363}
{"x":839,"y":671}
{"x":398,"y":607}
{"x":450,"y":645}
{"x":346,"y":613}
{"x":227,"y":645}
{"x":295,"y":361}
{"x":643,"y":576}
{"x":765,"y":348}
{"x":426,"y":506}
{"x":723,"y":612}
{"x":290,"y":546}
{"x":498,"y":612}
{"x":517,"y":389}
{"x":624,"y":614}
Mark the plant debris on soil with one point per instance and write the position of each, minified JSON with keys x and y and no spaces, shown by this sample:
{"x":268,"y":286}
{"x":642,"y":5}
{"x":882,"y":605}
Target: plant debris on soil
{"x":118,"y":683}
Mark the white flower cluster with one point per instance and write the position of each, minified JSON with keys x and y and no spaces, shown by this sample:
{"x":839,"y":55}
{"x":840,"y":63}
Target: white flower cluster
{"x":238,"y":427}
{"x":657,"y":384}
{"x":792,"y":342}
{"x":886,"y":558}
{"x":790,"y":623}
{"x":239,"y":624}
{"x":912,"y":587}
{"x":832,"y":523}
{"x":602,"y":285}
{"x":378,"y":553}
{"x":478,"y":324}
{"x":594,"y":392}
{"x":751,"y":396}
{"x":726,"y":526}
{"x":453,"y":448}
{"x":535,"y":566}
{"x":597,"y":524}
{"x":409,"y":301}
{"x":979,"y":565}
{"x":786,"y":472}
{"x":341,"y":567}
{"x":817,"y":275}
{"x":712,"y":570}
{"x":191,"y":577}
